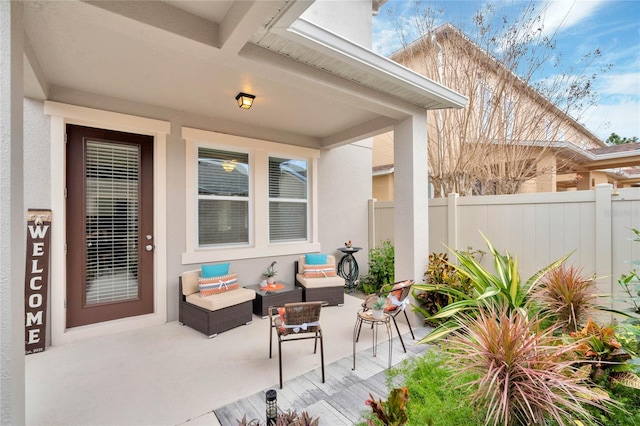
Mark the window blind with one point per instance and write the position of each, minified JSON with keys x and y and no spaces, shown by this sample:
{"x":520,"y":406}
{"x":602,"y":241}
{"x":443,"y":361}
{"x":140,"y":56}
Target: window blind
{"x":288,"y":199}
{"x":112,"y":204}
{"x":223,"y":197}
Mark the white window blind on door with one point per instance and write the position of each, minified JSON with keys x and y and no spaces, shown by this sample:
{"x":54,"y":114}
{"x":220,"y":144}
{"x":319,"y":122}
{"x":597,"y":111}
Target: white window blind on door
{"x":288,"y":200}
{"x":112,"y":204}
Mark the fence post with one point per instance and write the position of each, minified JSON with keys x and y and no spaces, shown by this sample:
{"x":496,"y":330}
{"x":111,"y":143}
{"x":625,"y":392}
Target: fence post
{"x":372,"y":222}
{"x":452,"y":221}
{"x":603,"y":238}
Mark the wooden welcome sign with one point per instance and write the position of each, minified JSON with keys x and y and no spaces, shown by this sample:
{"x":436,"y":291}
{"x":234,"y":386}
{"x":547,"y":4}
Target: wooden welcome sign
{"x":36,"y":279}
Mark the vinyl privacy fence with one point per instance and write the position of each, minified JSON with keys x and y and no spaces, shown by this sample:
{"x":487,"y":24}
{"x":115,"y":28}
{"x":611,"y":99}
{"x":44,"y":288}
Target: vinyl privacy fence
{"x":537,"y":228}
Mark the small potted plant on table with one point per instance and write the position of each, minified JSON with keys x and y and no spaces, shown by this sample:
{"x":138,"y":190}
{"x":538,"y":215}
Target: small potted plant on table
{"x":377,"y":307}
{"x":270,"y":273}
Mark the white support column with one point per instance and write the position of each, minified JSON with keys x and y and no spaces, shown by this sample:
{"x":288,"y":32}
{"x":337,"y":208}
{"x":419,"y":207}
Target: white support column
{"x":411,"y":222}
{"x":12,"y":216}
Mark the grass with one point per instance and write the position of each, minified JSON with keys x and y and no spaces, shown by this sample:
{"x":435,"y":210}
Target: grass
{"x":435,"y":397}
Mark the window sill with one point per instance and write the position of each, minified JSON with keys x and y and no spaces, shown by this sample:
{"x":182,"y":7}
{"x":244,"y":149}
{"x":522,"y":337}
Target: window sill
{"x":223,"y":254}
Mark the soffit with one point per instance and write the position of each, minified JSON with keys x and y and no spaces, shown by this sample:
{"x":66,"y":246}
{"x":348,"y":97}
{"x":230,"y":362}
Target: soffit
{"x":186,"y":56}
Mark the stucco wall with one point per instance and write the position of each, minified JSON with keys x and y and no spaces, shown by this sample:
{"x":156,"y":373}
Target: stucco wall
{"x":344,"y":176}
{"x":344,"y":189}
{"x":37,"y":141}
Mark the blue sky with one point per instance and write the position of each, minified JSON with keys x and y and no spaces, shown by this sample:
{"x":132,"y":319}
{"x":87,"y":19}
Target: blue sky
{"x":580,"y":26}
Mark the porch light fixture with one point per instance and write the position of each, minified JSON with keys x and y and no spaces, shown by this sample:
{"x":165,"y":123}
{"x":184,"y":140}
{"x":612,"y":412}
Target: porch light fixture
{"x":245,"y":100}
{"x":229,"y":166}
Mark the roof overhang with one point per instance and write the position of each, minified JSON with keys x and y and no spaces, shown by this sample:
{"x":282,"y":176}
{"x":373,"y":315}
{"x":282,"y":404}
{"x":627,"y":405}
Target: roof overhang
{"x":189,"y":59}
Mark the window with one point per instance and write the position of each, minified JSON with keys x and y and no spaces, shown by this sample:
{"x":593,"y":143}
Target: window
{"x":223,"y":197}
{"x":248,"y":198}
{"x":287,"y":200}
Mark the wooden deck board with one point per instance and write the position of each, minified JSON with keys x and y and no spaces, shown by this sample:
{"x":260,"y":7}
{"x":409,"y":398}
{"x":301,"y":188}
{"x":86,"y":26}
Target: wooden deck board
{"x":341,"y":399}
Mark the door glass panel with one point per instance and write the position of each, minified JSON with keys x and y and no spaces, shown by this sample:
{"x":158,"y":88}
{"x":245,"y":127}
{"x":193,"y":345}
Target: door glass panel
{"x":112,"y":205}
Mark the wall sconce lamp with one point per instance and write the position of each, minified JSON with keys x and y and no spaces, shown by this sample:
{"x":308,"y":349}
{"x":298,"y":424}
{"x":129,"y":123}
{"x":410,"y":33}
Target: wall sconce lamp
{"x":229,"y":166}
{"x":245,"y":100}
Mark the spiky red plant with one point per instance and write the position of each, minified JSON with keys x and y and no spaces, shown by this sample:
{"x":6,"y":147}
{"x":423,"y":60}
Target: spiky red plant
{"x":524,"y":378}
{"x":568,"y":296}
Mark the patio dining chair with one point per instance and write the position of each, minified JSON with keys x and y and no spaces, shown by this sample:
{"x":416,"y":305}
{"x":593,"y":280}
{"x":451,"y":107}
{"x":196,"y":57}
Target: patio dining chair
{"x":397,"y":295}
{"x":296,"y":321}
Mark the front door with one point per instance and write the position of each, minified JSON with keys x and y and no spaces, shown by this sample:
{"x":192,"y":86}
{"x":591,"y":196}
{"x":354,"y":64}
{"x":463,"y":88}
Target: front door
{"x":109,"y":208}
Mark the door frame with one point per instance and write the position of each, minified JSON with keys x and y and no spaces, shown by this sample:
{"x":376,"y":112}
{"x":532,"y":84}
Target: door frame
{"x":61,"y":115}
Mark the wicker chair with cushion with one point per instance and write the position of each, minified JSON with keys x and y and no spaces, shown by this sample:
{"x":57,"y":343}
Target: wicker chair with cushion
{"x":317,"y":275}
{"x":213,"y":305}
{"x":296,"y":321}
{"x":397,"y":295}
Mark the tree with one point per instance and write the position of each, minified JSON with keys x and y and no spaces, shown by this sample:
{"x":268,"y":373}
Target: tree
{"x":504,"y":137}
{"x":614,"y":139}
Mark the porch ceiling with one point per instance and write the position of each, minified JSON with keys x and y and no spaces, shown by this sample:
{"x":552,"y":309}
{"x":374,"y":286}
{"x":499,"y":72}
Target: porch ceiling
{"x":193,"y":57}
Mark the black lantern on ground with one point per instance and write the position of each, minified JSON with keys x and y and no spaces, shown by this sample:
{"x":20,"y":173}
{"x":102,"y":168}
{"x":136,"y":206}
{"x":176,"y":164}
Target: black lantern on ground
{"x":272,"y":407}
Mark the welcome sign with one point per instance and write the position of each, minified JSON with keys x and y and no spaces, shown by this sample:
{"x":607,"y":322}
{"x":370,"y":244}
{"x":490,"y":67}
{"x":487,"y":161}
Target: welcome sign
{"x":36,"y":279}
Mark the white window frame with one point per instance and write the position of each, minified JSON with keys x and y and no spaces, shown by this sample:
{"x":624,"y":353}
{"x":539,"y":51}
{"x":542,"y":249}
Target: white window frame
{"x":289,"y":200}
{"x":259,"y":152}
{"x":61,"y":115}
{"x":248,"y":198}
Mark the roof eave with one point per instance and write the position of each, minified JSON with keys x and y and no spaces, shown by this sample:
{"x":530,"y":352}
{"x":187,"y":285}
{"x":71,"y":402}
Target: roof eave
{"x":373,"y":65}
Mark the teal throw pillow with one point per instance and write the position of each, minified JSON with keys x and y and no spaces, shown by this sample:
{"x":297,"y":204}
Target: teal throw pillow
{"x":215,"y":270}
{"x":315,"y":259}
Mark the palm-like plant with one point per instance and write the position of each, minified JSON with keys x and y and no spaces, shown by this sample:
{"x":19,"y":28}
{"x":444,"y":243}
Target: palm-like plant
{"x":567,"y":296}
{"x":524,"y":376}
{"x":502,"y":288}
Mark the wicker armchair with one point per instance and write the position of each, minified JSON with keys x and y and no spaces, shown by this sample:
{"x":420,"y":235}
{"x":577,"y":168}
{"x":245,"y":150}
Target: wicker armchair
{"x":296,"y":321}
{"x":329,"y":289}
{"x":397,"y":295}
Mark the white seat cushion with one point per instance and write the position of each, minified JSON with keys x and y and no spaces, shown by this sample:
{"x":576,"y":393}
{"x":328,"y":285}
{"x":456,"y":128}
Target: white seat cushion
{"x":320,"y":282}
{"x":222,"y":300}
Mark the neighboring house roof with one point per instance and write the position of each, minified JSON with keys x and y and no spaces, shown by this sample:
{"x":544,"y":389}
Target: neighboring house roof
{"x":447,"y":30}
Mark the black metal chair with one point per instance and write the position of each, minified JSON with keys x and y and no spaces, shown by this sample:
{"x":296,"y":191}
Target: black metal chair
{"x":296,"y":321}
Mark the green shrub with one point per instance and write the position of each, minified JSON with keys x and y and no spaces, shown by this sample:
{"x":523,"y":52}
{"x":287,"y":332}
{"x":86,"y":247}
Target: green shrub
{"x":441,"y":274}
{"x":435,"y":397}
{"x":503,"y":288}
{"x":381,"y":268}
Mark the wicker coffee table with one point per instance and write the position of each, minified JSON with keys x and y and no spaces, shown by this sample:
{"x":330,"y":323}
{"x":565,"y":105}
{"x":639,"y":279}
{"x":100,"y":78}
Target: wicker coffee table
{"x":284,"y":293}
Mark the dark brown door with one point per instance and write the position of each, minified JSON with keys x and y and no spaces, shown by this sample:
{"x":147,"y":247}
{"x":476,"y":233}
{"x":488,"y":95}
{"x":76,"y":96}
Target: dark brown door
{"x":109,"y":225}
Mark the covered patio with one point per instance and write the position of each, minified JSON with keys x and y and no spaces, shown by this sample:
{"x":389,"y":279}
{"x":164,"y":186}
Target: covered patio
{"x":173,"y":375}
{"x":169,"y":72}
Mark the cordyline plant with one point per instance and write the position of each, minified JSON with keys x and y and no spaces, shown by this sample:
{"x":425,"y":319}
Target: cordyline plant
{"x":393,"y":412}
{"x":567,"y":296}
{"x":525,"y":377}
{"x":501,"y":288}
{"x":288,"y":418}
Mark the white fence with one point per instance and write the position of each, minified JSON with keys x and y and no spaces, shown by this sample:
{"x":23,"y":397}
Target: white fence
{"x":538,"y":228}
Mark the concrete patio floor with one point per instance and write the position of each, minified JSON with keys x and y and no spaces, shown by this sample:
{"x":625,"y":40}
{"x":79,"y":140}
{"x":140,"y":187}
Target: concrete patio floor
{"x":174,"y":375}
